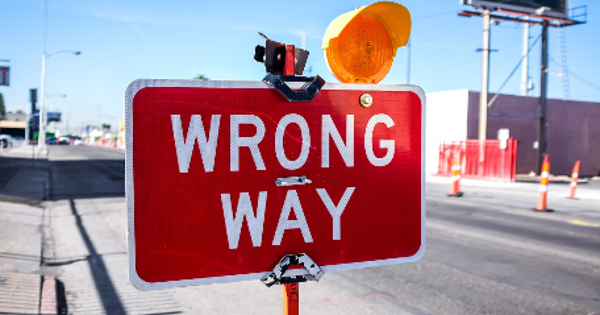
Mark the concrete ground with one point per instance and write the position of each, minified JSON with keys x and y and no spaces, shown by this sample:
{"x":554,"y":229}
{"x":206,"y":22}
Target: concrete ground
{"x":20,"y":256}
{"x":487,"y":253}
{"x":23,"y":187}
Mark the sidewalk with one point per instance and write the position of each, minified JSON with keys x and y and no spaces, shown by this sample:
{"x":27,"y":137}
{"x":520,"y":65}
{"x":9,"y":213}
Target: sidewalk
{"x":23,"y":187}
{"x":588,"y":190}
{"x":20,"y":255}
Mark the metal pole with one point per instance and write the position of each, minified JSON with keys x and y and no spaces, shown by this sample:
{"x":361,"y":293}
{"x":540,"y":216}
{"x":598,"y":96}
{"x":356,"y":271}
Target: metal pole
{"x":483,"y":96}
{"x":525,"y":66}
{"x":68,"y":117}
{"x":27,"y":129}
{"x":41,"y":131}
{"x":502,"y":170}
{"x":542,"y":136}
{"x":32,"y":157}
{"x":408,"y":63}
{"x":291,"y":298}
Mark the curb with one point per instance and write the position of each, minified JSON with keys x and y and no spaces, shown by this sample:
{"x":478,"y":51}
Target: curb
{"x":13,"y":199}
{"x":52,"y":297}
{"x":48,"y":296}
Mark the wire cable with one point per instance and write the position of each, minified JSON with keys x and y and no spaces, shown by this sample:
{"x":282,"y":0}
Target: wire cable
{"x":513,"y":72}
{"x":584,"y":80}
{"x":579,"y":77}
{"x":434,"y":15}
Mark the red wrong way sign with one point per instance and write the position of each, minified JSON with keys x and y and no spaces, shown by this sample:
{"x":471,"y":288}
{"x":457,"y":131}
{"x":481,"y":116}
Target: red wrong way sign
{"x":224,"y":178}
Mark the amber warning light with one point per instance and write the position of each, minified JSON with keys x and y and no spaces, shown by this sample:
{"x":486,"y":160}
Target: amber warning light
{"x":360,"y":45}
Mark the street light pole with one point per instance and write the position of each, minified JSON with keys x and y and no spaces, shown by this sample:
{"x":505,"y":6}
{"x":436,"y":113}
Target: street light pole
{"x":41,"y":132}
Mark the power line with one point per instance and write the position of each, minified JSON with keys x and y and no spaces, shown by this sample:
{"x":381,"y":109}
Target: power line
{"x":579,"y":77}
{"x":434,"y":15}
{"x":513,"y":72}
{"x":584,"y":80}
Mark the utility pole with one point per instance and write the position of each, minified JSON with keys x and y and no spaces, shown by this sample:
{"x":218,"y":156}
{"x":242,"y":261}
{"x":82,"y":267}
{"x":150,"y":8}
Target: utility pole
{"x":408,"y":62}
{"x":542,"y":108}
{"x":483,"y":96}
{"x":525,"y":66}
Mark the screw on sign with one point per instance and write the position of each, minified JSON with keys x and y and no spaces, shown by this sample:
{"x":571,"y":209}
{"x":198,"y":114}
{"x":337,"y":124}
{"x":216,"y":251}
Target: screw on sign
{"x":233,"y":179}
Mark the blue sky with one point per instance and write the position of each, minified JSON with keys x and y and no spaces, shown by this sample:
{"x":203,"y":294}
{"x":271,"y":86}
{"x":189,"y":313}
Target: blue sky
{"x":125,"y":40}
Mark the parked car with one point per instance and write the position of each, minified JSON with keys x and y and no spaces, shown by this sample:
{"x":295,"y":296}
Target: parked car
{"x":75,"y":140}
{"x":64,"y":140}
{"x":6,"y":141}
{"x":51,"y":140}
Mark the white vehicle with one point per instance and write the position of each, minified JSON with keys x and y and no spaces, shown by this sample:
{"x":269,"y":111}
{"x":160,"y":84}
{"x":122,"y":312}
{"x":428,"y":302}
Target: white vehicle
{"x":64,"y":140}
{"x":6,"y":141}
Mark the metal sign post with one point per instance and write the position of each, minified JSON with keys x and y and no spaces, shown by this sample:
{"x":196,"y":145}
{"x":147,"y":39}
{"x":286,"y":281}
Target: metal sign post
{"x":291,"y":298}
{"x":291,"y":283}
{"x":503,"y":136}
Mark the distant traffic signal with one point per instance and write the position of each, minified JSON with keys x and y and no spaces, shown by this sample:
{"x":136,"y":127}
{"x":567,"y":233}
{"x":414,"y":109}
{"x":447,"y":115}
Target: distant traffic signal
{"x":360,"y":45}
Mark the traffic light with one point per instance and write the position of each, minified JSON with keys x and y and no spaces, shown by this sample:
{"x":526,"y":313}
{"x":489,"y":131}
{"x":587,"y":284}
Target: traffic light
{"x":360,"y":45}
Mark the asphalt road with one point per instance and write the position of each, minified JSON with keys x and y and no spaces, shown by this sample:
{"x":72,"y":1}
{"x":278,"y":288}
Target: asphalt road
{"x":86,"y":172}
{"x":487,"y":253}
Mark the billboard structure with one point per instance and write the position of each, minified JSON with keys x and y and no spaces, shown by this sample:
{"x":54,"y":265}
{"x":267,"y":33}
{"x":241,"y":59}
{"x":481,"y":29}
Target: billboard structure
{"x":553,"y":8}
{"x":547,"y":13}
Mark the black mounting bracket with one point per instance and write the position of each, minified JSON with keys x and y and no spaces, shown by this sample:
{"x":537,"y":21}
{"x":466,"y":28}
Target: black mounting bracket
{"x":314,"y":272}
{"x":306,"y":94}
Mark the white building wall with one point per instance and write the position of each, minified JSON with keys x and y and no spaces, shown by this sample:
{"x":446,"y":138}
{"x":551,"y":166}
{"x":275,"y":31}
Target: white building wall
{"x":445,"y":120}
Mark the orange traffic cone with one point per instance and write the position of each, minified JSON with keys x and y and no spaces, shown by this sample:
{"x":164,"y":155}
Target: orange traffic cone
{"x":455,"y":187}
{"x":574,"y":178}
{"x":542,"y":202}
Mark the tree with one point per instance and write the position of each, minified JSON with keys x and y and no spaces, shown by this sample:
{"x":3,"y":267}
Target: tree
{"x":201,"y":77}
{"x":2,"y":109}
{"x":106,"y":126}
{"x":20,"y":111}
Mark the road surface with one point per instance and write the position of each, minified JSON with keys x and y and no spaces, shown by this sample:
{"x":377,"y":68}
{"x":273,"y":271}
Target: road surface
{"x":487,"y":253}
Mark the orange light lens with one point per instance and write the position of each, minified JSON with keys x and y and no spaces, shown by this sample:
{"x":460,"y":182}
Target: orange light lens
{"x":362,"y":53}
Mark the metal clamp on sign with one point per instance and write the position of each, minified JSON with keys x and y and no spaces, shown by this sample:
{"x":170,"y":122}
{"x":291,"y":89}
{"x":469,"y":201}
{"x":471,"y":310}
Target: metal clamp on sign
{"x":308,"y":92}
{"x":277,"y":275}
{"x":283,"y":62}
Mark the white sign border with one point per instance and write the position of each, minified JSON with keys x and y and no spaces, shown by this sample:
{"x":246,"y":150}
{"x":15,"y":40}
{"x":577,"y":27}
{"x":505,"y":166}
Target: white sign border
{"x":140,"y":84}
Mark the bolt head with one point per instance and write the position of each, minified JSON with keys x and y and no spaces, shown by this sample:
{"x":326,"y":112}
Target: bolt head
{"x":366,"y":100}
